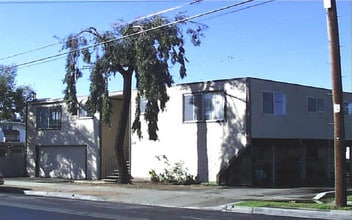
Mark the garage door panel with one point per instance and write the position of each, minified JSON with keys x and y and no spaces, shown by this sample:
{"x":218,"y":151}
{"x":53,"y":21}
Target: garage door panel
{"x":67,"y":162}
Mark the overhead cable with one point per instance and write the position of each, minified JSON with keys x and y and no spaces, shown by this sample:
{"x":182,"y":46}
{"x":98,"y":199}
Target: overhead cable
{"x":241,"y":9}
{"x":140,"y":32}
{"x":23,"y":2}
{"x":137,"y":19}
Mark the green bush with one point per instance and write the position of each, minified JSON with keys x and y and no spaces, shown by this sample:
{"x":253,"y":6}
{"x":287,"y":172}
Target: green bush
{"x":172,"y":174}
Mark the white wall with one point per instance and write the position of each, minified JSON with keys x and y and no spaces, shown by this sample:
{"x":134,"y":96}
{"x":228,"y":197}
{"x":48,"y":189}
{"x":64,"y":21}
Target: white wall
{"x":204,"y":147}
{"x":74,"y":131}
{"x":20,"y":127}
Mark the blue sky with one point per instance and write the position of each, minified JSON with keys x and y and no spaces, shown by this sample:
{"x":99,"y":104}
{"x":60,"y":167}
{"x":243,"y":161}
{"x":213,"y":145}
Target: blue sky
{"x":282,"y":40}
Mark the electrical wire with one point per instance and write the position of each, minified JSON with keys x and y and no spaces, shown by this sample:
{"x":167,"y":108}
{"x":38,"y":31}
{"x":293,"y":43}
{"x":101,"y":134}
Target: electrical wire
{"x":100,"y":1}
{"x":241,"y":9}
{"x":166,"y":10}
{"x":48,"y":60}
{"x":137,"y":33}
{"x":29,"y":51}
{"x":137,"y":19}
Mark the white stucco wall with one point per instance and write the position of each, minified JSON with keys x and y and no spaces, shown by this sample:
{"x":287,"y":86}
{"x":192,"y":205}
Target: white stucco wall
{"x":204,"y":147}
{"x":74,"y":131}
{"x":19,"y":126}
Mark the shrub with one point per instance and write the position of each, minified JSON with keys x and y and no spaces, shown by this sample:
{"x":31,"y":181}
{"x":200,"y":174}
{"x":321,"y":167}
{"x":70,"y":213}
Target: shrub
{"x":172,"y":174}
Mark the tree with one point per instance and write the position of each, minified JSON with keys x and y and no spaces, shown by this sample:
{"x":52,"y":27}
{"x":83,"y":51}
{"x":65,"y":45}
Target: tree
{"x":13,"y":99}
{"x":145,"y":48}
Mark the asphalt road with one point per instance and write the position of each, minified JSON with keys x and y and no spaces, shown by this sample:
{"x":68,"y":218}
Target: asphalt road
{"x":17,"y":206}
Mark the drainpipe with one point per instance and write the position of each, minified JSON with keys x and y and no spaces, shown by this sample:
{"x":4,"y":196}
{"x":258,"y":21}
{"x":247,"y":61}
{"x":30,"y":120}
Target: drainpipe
{"x":303,"y":161}
{"x":273,"y":167}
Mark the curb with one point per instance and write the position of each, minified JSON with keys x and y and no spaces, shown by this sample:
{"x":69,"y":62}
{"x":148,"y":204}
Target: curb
{"x":301,"y":213}
{"x":62,"y":195}
{"x":298,"y":213}
{"x":226,"y":208}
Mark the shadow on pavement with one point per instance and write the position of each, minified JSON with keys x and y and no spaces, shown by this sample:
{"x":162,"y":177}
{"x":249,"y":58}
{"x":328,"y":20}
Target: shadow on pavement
{"x":40,"y":179}
{"x":8,"y":189}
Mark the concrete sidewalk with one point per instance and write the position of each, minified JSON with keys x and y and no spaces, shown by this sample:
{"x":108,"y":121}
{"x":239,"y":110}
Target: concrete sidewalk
{"x":198,"y":196}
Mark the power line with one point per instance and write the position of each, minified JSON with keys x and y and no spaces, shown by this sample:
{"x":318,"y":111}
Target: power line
{"x":86,"y":1}
{"x":140,"y":32}
{"x":40,"y":61}
{"x":137,"y":19}
{"x":166,"y":10}
{"x":98,"y":1}
{"x":137,"y":33}
{"x":29,"y":51}
{"x":241,"y":9}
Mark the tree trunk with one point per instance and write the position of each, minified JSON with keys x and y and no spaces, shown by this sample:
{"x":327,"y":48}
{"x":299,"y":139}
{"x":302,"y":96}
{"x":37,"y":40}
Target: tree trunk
{"x":125,"y":177}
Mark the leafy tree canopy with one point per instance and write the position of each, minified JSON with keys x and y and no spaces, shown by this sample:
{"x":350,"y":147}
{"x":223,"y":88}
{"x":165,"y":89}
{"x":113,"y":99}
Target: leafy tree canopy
{"x":12,"y":98}
{"x":146,"y":48}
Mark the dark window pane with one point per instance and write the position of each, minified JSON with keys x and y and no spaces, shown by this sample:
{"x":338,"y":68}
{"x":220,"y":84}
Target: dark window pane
{"x":311,"y":104}
{"x":49,"y":117}
{"x":268,"y":103}
{"x":320,"y":105}
{"x":280,"y":104}
{"x":189,"y":108}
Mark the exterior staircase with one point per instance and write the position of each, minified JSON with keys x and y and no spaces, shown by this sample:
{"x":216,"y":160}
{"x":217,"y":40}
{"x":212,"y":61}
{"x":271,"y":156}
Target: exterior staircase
{"x":114,"y":176}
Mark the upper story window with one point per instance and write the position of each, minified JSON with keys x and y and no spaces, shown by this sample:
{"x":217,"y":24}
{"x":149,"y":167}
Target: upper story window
{"x":274,"y":103}
{"x":12,"y":135}
{"x":49,"y":117}
{"x":315,"y":104}
{"x":143,"y":104}
{"x":83,"y":113}
{"x":347,"y":108}
{"x":204,"y":106}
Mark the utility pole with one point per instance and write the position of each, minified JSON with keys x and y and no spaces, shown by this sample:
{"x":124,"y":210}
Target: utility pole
{"x":337,"y":97}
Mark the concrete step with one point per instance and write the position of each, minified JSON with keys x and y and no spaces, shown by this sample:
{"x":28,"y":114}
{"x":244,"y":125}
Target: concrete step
{"x":115,"y":175}
{"x":110,"y":180}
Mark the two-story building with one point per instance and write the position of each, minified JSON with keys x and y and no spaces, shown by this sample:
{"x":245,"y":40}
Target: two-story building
{"x":242,"y":131}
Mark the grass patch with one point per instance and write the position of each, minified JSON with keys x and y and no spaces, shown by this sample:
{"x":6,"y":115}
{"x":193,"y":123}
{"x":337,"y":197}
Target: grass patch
{"x":209,"y":184}
{"x":289,"y":204}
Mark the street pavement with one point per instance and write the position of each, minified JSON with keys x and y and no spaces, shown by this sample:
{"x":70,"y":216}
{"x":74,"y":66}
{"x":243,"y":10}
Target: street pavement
{"x":192,"y":197}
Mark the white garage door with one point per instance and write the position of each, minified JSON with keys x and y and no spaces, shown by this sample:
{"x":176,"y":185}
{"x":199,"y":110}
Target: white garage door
{"x":68,"y":162}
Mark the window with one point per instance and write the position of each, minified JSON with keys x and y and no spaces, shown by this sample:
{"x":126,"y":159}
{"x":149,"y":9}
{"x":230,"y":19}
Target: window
{"x":204,"y":106}
{"x":82,"y":112}
{"x":12,"y":135}
{"x":348,"y":108}
{"x":3,"y":152}
{"x":49,"y":117}
{"x":315,"y":105}
{"x":143,"y":104}
{"x":214,"y":105}
{"x":191,"y":108}
{"x":274,"y":103}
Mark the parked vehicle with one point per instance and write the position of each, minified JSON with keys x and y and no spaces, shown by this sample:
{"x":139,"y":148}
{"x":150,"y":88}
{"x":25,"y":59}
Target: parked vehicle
{"x":1,"y":178}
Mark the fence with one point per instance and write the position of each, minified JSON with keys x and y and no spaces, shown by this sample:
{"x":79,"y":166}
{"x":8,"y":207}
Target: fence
{"x":13,"y":159}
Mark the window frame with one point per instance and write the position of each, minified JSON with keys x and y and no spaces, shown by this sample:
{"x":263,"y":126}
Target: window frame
{"x":53,"y":118}
{"x":143,"y":101}
{"x":319,"y":105}
{"x":82,"y":112}
{"x":347,"y":108}
{"x":195,"y":107}
{"x":278,"y":106}
{"x":201,"y":107}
